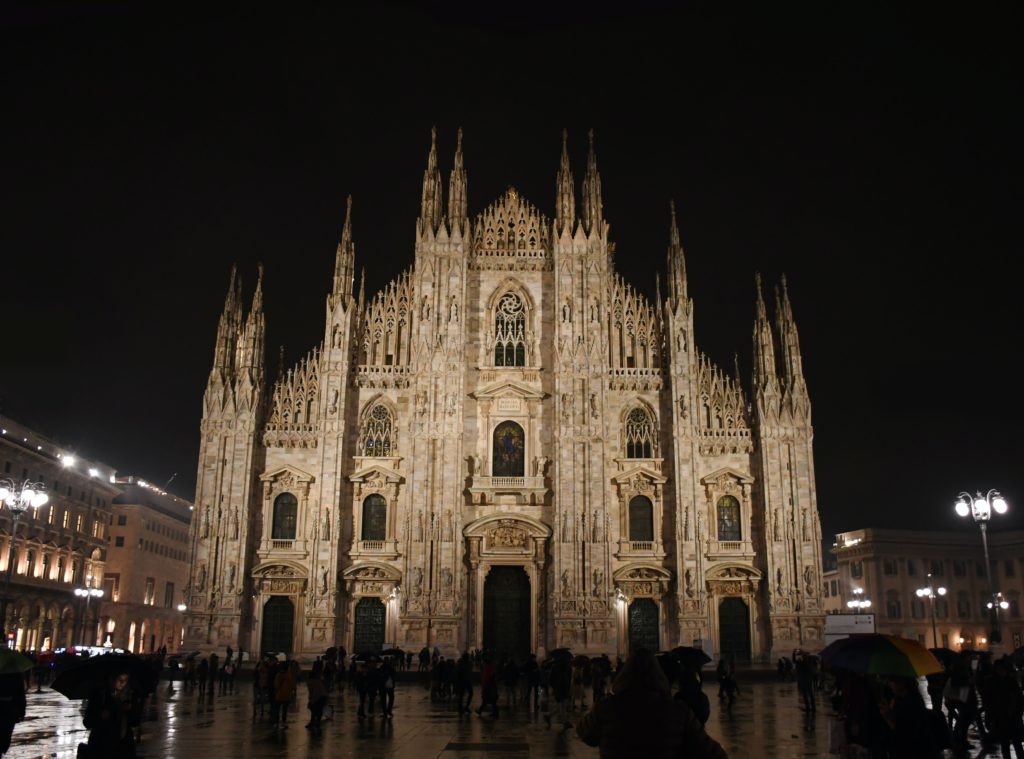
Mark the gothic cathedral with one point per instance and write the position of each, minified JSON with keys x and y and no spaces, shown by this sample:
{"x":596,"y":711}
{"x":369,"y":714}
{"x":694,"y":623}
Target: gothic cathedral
{"x":508,"y":447}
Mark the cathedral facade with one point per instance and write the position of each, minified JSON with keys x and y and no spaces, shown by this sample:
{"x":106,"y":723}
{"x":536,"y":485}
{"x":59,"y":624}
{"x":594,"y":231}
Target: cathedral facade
{"x":508,"y":447}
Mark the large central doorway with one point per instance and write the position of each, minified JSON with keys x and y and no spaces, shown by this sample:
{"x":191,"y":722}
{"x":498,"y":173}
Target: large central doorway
{"x":734,"y":630}
{"x":369,"y":632}
{"x":507,"y":613}
{"x":278,"y":625}
{"x":643,"y":625}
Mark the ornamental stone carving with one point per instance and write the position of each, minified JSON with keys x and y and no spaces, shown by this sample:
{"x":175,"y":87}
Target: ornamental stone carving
{"x":507,"y":535}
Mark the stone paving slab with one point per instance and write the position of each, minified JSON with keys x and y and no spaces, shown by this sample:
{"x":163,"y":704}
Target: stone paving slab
{"x":765,"y":722}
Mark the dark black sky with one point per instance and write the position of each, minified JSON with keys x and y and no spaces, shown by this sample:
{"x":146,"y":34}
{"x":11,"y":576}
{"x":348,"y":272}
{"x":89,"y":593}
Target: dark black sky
{"x":874,"y":155}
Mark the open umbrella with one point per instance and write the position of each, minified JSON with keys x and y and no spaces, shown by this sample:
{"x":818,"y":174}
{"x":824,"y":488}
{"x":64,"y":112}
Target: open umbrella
{"x":946,"y":656}
{"x":689,"y":657}
{"x":12,"y":662}
{"x":875,"y":654}
{"x":81,"y":680}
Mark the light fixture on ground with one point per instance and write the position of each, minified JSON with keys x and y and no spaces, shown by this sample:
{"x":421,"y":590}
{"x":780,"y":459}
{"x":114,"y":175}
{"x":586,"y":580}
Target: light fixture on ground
{"x":931,"y":594}
{"x":980,"y":508}
{"x":18,"y":499}
{"x":88,"y":593}
{"x":858,"y":602}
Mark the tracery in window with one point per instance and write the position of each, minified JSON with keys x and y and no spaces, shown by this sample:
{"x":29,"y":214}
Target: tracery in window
{"x":510,"y":331}
{"x":728,"y":518}
{"x":286,"y":508}
{"x":375,"y":517}
{"x":639,"y":435}
{"x":378,"y":429}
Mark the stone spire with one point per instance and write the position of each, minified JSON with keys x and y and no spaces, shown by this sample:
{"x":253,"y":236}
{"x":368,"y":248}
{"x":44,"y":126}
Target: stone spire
{"x":430,"y":201}
{"x":764,"y":373}
{"x":593,"y":213}
{"x":565,"y":191}
{"x":345,"y":258}
{"x":676,"y":262}
{"x":789,"y":343}
{"x":457,"y":189}
{"x":228,"y":326}
{"x":253,"y":334}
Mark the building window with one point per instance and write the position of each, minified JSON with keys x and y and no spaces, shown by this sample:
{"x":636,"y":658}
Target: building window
{"x":937,"y":568}
{"x":509,"y":451}
{"x":856,"y":569}
{"x":639,"y":435}
{"x":375,"y":517}
{"x":122,"y":520}
{"x":30,"y":563}
{"x":835,"y":588}
{"x":641,"y":519}
{"x":150,"y":598}
{"x":45,"y":574}
{"x":119,"y":541}
{"x":911,"y":567}
{"x":65,"y":517}
{"x":377,"y":432}
{"x":52,"y":516}
{"x":979,"y":569}
{"x":79,"y":522}
{"x":169,"y":595}
{"x":959,"y":568}
{"x":728,"y":518}
{"x":945,"y":640}
{"x":916,"y":608}
{"x":963,"y":606}
{"x":510,"y":331}
{"x":1009,"y":568}
{"x":60,"y":569}
{"x":941,"y":608}
{"x":893,"y":608}
{"x":1014,"y":607}
{"x":286,"y":509}
{"x":889,"y":567}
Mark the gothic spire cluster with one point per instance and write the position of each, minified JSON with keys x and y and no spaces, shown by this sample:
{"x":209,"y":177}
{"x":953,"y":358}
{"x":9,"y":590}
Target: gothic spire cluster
{"x":778,"y":378}
{"x":345,"y":259}
{"x":432,"y":216}
{"x":236,"y":378}
{"x":593,"y":208}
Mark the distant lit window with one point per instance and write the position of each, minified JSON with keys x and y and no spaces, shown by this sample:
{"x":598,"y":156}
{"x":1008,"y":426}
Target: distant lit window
{"x":856,"y":569}
{"x":119,"y":541}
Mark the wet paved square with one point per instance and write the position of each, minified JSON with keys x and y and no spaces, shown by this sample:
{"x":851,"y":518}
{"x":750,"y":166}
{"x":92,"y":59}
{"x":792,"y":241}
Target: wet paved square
{"x":766,"y":721}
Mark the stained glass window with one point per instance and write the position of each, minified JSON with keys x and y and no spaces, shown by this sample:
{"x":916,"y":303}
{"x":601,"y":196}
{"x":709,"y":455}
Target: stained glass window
{"x":377,"y":432}
{"x":639,"y":435}
{"x":286,"y":509}
{"x":375,"y":517}
{"x":510,"y":331}
{"x":728,"y":518}
{"x":641,"y":519}
{"x":509,"y":451}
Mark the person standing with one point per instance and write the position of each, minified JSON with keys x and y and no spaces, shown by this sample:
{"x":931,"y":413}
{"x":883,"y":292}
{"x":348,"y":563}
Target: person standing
{"x":532,"y":682}
{"x":640,"y":719}
{"x":201,"y":675}
{"x":316,"y":701}
{"x":488,"y":688}
{"x":1004,"y":706}
{"x":12,"y":707}
{"x":111,"y":717}
{"x":212,"y":672}
{"x":464,"y":682}
{"x":806,"y":674}
{"x":387,"y":689}
{"x":560,"y":684}
{"x":284,"y":685}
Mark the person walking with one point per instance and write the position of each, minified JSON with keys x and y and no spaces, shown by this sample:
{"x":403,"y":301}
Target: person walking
{"x":806,"y":674}
{"x":211,"y":673}
{"x":532,"y":678}
{"x":510,"y":679}
{"x":464,"y":682}
{"x":1004,"y":707}
{"x":387,"y":689}
{"x":915,"y":732}
{"x":640,"y":718}
{"x":201,"y":675}
{"x":12,"y":707}
{"x":488,"y":688}
{"x":316,"y":701}
{"x":112,"y":714}
{"x":284,"y":686}
{"x":560,"y":684}
{"x":359,"y":680}
{"x":721,"y":673}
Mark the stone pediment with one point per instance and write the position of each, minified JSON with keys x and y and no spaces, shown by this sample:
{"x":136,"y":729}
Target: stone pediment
{"x":372,"y":570}
{"x":733,"y":572}
{"x":529,"y":525}
{"x":279,"y":569}
{"x":376,"y":474}
{"x":644,"y":473}
{"x":286,"y":473}
{"x":508,"y":389}
{"x":726,"y":472}
{"x":636,"y":571}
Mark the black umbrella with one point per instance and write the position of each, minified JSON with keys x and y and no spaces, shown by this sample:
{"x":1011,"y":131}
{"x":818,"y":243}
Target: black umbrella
{"x":82,"y":680}
{"x":689,"y":657}
{"x":946,"y":656}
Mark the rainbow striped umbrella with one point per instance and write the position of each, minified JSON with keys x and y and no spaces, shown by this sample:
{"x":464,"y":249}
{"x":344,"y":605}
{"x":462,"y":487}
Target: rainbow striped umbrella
{"x":875,"y":654}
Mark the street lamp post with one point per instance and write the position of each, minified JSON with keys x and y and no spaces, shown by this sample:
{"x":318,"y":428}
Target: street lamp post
{"x":980,"y":507}
{"x":88,"y":593}
{"x":858,"y":602}
{"x":930,"y":593}
{"x":18,"y":498}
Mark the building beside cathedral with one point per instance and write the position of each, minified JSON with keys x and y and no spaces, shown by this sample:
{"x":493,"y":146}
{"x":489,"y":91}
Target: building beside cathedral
{"x":507,"y":447}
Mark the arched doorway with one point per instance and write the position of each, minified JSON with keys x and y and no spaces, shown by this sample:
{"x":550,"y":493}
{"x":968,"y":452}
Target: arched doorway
{"x":643,"y":625}
{"x":278,"y":625}
{"x":507,"y":612}
{"x":734,"y":630}
{"x":369,"y":629}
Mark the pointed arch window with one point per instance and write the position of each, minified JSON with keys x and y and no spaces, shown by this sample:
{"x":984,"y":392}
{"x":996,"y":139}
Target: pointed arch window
{"x":378,"y":432}
{"x":510,"y":331}
{"x":639,"y":435}
{"x":509,"y":451}
{"x":728,"y":518}
{"x":641,"y":519}
{"x":286,"y":510}
{"x":375,"y":518}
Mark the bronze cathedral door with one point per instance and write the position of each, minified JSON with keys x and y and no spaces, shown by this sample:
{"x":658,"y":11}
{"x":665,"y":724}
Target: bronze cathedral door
{"x":507,"y":613}
{"x":734,"y":630}
{"x":278,"y":625}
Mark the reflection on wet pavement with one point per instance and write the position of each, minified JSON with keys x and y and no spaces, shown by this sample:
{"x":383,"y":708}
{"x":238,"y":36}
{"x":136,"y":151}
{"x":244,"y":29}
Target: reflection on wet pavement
{"x":765,"y":722}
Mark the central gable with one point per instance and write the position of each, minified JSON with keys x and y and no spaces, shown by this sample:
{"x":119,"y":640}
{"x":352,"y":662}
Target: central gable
{"x":510,"y":234}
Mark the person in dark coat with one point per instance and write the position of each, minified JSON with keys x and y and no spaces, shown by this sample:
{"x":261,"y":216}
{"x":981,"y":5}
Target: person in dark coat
{"x":488,"y":688}
{"x":915,"y":731}
{"x":1004,"y":705}
{"x":464,"y":682}
{"x":113,"y":713}
{"x":12,"y":707}
{"x":640,"y":718}
{"x":691,"y":694}
{"x":560,"y":683}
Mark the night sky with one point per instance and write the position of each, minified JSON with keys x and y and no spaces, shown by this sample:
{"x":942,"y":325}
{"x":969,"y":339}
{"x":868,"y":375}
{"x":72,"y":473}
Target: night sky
{"x":873,"y":155}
